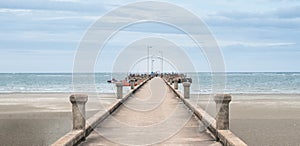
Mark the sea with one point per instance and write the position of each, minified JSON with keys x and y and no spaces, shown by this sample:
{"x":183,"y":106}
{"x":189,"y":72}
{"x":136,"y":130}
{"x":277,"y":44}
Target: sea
{"x":235,"y":82}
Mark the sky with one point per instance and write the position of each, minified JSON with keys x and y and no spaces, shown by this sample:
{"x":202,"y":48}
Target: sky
{"x":253,"y":36}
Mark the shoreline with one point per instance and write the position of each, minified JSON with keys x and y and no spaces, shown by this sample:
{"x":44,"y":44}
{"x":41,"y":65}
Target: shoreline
{"x":54,"y":92}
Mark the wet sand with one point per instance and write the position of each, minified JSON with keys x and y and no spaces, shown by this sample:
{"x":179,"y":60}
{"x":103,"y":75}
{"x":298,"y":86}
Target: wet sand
{"x":42,"y":118}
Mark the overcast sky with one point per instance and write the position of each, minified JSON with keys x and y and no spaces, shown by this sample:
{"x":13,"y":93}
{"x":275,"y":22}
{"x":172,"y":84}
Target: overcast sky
{"x":43,"y":35}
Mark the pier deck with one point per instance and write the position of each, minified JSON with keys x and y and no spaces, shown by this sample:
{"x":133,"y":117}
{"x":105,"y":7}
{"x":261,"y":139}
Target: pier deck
{"x":152,"y":115}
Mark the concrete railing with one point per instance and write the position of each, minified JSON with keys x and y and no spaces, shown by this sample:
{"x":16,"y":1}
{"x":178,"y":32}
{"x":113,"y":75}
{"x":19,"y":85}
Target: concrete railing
{"x":219,"y":127}
{"x":80,"y":129}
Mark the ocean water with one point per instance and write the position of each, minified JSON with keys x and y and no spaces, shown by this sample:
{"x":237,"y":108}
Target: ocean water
{"x":250,"y":82}
{"x":246,"y":82}
{"x":52,"y":82}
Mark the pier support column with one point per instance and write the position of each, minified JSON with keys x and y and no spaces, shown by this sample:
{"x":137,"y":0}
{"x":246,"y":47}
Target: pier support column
{"x":132,"y":83}
{"x":176,"y":84}
{"x":222,"y":104}
{"x":119,"y":90}
{"x":78,"y":109}
{"x":186,"y":89}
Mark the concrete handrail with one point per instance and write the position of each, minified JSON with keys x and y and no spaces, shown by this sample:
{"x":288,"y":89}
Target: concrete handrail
{"x":76,"y":136}
{"x":226,"y":137}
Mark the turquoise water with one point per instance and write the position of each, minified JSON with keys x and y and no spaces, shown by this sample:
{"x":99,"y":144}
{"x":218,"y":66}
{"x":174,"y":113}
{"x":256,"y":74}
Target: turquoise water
{"x":270,"y":82}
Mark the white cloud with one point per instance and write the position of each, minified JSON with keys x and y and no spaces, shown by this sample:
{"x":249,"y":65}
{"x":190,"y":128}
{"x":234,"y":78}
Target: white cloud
{"x":254,"y":44}
{"x":6,"y":10}
{"x":70,"y":17}
{"x":52,"y":24}
{"x":74,"y":1}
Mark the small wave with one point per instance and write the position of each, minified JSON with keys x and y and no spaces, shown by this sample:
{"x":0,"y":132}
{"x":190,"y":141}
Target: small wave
{"x":53,"y":75}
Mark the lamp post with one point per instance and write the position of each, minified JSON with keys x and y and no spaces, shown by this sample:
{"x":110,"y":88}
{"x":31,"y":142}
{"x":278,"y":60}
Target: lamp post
{"x":162,"y":61}
{"x":148,"y":54}
{"x":152,"y":60}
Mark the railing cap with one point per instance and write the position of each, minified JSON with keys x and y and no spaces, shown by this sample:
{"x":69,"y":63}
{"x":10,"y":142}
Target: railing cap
{"x":222,"y":97}
{"x":186,"y":84}
{"x":78,"y":98}
{"x":119,"y":84}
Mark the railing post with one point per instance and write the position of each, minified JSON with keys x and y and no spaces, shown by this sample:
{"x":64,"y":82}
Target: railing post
{"x":186,"y":89}
{"x":222,"y":105}
{"x":176,"y":84}
{"x":119,"y":90}
{"x":132,"y":83}
{"x":78,"y":109}
{"x":171,"y":81}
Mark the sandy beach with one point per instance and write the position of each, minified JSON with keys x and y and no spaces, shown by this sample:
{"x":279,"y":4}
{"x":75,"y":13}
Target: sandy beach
{"x":42,"y":118}
{"x":267,"y":120}
{"x":264,"y":119}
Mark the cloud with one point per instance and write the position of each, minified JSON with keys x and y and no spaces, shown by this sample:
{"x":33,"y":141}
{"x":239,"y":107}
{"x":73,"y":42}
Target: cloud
{"x":52,"y":26}
{"x":57,"y":5}
{"x":18,"y":11}
{"x":73,"y":1}
{"x":254,"y":44}
{"x":288,"y":12}
{"x":93,"y":18}
{"x":281,"y":17}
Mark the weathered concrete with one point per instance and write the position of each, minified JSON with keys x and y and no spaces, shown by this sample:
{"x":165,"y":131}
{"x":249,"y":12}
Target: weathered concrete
{"x":132,"y":83}
{"x":222,"y":105}
{"x":151,"y":104}
{"x":75,"y":136}
{"x":171,"y":81}
{"x":186,"y":89}
{"x":153,"y":115}
{"x":226,"y":137}
{"x":70,"y":139}
{"x":176,"y":84}
{"x":229,"y":139}
{"x":78,"y":109}
{"x":119,"y":86}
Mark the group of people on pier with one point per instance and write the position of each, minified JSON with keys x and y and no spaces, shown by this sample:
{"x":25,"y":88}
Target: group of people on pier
{"x":137,"y":78}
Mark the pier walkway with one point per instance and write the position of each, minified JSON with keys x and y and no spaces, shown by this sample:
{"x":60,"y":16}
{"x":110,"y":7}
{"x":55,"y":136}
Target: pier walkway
{"x":152,"y":115}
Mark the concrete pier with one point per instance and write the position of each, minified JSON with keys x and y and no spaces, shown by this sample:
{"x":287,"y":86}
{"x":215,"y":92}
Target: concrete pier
{"x":171,"y":81}
{"x":161,"y":116}
{"x":78,"y":110}
{"x":186,"y":89}
{"x":176,"y":84}
{"x":222,"y":106}
{"x":119,"y":86}
{"x":132,"y":81}
{"x":129,"y":127}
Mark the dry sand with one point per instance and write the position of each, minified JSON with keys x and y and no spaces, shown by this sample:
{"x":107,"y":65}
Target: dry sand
{"x":264,"y":119}
{"x":42,"y":118}
{"x":270,"y":120}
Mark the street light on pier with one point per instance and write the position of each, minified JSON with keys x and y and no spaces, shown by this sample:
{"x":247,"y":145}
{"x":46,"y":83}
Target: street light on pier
{"x":148,"y":51}
{"x":152,"y":60}
{"x":162,"y":61}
